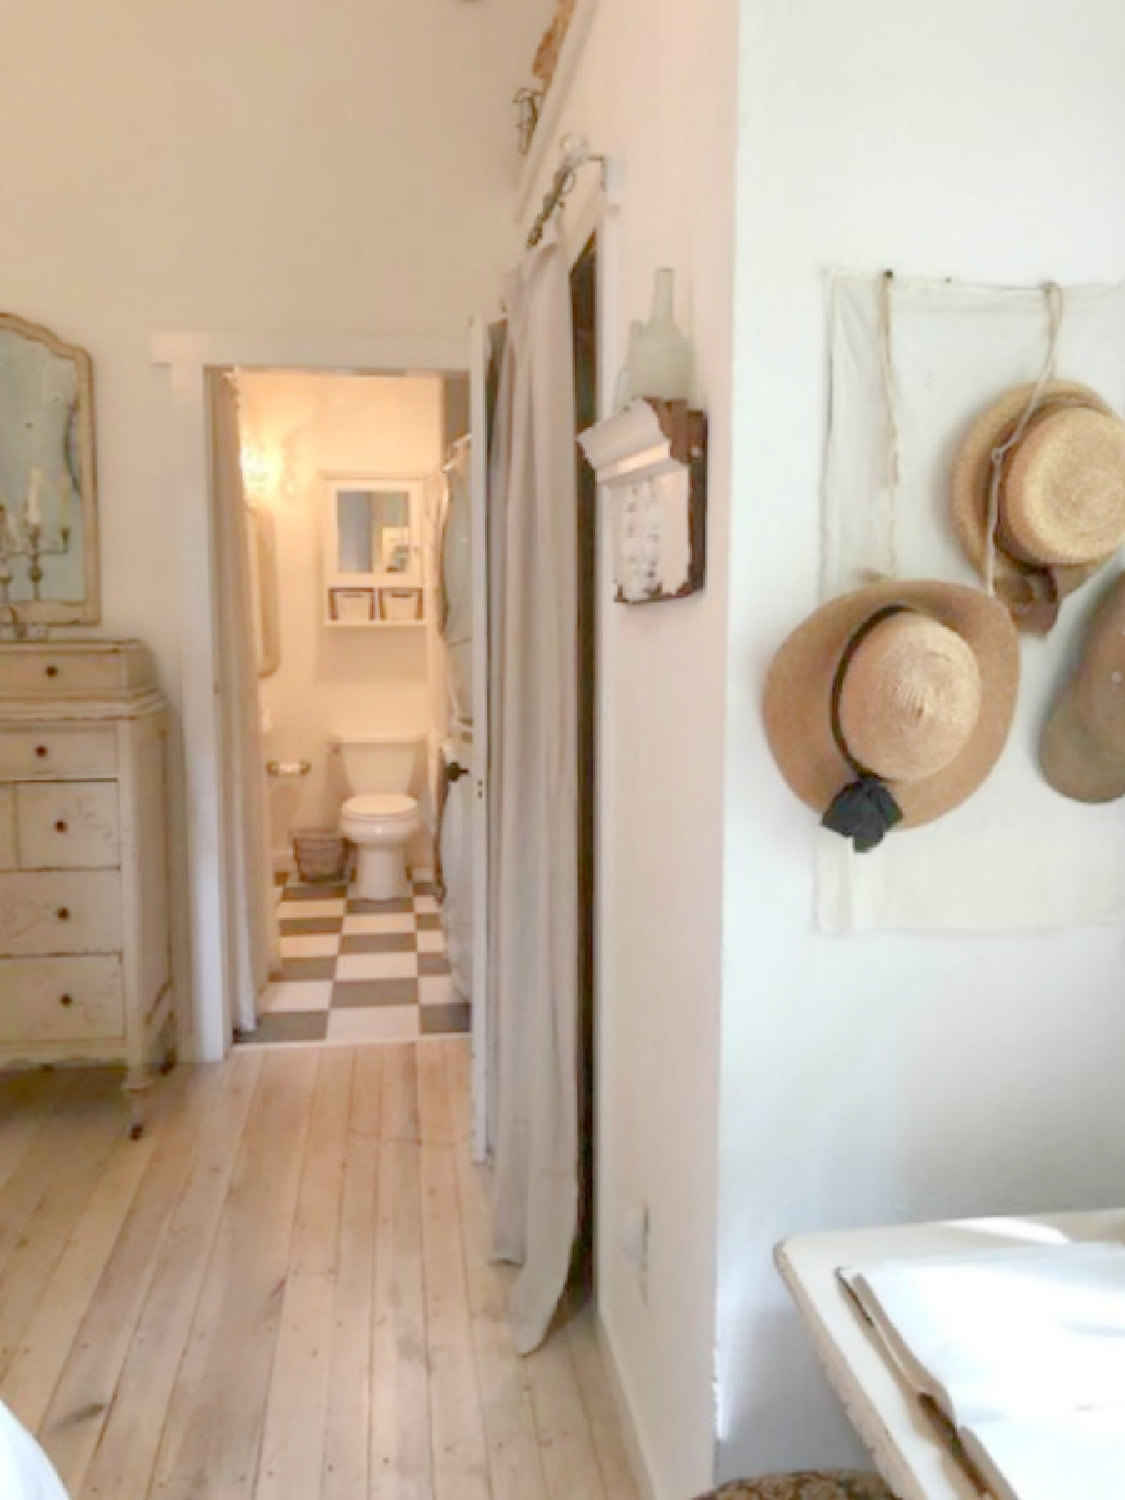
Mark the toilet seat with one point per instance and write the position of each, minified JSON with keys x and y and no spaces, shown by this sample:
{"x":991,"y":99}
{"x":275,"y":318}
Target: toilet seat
{"x":381,"y":807}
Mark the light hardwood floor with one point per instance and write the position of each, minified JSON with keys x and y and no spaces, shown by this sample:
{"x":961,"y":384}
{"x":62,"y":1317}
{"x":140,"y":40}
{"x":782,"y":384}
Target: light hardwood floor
{"x":281,"y":1293}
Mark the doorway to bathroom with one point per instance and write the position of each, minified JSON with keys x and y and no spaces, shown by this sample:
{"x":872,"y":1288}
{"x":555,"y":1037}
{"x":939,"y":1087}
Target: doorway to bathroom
{"x":341,"y":483}
{"x":192,"y":362}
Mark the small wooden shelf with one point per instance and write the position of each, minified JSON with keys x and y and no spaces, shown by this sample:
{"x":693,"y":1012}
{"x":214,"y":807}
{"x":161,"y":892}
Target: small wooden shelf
{"x":652,"y":457}
{"x":373,"y":624}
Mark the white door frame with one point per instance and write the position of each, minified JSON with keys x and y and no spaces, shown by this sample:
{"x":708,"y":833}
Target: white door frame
{"x":599,"y":212}
{"x":187,"y":357}
{"x":479,"y":816}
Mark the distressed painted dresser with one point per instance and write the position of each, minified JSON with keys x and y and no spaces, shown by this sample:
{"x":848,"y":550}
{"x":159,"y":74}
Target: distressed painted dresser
{"x":85,"y":968}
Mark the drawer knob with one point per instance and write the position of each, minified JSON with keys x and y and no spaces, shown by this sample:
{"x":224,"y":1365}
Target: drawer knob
{"x":63,"y":914}
{"x":60,"y":826}
{"x":52,"y":671}
{"x":66,"y":999}
{"x":41,"y":751}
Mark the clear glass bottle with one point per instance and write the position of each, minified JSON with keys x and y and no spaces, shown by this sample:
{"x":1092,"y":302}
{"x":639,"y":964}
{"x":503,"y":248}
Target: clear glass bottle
{"x":660,"y":358}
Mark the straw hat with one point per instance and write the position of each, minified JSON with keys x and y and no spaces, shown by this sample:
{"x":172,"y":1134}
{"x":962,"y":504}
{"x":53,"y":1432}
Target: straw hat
{"x":1083,"y":749}
{"x":890,"y":705}
{"x":1061,"y":498}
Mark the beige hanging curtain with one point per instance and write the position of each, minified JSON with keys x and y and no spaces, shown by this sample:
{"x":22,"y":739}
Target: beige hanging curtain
{"x":533,"y":958}
{"x":252,"y":942}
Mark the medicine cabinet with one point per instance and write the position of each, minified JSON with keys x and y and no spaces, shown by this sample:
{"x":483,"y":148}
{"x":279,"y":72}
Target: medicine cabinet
{"x":373,"y":572}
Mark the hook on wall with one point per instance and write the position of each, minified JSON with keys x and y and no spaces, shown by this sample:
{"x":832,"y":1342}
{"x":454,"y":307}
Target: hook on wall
{"x":576,"y":153}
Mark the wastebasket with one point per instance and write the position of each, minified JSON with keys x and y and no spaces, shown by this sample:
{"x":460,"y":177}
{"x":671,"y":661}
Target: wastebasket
{"x":321,"y":855}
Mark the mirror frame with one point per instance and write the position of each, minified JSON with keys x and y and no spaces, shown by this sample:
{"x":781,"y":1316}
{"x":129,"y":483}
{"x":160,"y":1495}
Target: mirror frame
{"x":87,"y":611}
{"x":264,"y":586}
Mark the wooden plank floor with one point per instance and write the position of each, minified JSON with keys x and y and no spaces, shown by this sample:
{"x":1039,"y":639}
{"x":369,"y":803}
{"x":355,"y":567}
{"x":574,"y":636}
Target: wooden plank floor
{"x":281,"y":1293}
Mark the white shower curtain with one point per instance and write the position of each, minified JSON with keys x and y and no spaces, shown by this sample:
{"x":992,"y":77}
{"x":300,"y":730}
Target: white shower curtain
{"x":533,"y":956}
{"x":252,"y":933}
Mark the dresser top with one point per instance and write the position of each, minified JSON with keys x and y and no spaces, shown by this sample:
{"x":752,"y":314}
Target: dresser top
{"x":93,"y":645}
{"x":38,"y":675}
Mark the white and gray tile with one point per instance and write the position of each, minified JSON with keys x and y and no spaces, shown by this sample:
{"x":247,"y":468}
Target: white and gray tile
{"x":359,"y":971}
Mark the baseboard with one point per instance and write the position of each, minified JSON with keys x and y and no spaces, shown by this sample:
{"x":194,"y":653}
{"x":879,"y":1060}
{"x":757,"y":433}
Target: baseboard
{"x":634,"y":1444}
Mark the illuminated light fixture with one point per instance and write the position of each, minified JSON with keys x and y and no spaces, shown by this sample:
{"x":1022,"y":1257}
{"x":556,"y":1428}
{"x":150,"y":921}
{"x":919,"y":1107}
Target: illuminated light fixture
{"x":261,"y":471}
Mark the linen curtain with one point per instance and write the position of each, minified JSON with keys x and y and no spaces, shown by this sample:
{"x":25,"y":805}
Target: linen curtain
{"x":533,"y":938}
{"x":253,"y":942}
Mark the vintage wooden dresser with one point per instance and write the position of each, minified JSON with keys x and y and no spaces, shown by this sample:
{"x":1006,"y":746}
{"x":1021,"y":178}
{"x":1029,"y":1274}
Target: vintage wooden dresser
{"x":85,"y":965}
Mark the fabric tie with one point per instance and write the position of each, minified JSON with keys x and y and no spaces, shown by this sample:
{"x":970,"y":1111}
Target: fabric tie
{"x":864,"y":812}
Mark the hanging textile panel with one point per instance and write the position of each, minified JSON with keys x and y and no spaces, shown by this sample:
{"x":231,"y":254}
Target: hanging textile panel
{"x":1016,"y":855}
{"x":533,"y":776}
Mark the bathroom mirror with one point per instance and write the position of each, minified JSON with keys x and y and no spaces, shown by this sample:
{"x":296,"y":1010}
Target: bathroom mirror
{"x":373,"y":531}
{"x":373,"y":552}
{"x":48,"y":501}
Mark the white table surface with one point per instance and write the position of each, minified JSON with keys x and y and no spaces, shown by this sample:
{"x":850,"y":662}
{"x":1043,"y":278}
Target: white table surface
{"x":910,"y":1447}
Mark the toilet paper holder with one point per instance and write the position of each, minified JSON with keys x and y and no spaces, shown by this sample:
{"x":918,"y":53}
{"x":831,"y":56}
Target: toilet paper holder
{"x":288,"y":768}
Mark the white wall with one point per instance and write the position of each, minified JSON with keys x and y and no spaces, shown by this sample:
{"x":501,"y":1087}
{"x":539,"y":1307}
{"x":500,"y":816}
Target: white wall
{"x":888,"y":1077}
{"x":311,"y":166}
{"x":226,"y":166}
{"x":656,"y":89}
{"x":334,"y":681}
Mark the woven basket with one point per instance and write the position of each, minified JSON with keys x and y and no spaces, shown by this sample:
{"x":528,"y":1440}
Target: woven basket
{"x":547,"y":57}
{"x":321,"y":855}
{"x":839,"y":1484}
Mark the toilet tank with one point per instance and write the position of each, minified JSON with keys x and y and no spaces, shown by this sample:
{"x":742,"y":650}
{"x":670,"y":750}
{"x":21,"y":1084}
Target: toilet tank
{"x":378,"y":762}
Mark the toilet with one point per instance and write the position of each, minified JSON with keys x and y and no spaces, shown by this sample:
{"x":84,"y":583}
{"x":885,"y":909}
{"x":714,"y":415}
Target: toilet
{"x":379,"y":816}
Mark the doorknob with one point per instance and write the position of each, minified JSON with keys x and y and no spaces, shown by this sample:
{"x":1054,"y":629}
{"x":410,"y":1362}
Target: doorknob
{"x":454,"y":771}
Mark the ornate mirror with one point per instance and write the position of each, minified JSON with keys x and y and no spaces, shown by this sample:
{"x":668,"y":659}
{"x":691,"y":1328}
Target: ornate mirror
{"x":48,"y":499}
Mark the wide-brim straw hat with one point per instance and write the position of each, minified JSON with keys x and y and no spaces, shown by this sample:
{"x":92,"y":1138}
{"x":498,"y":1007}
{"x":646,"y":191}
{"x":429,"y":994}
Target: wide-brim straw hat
{"x":1082,"y":753}
{"x":1061,"y":499}
{"x":923,"y":676}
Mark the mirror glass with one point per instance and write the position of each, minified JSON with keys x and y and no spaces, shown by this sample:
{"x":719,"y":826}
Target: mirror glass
{"x":48,"y":564}
{"x":373,"y":531}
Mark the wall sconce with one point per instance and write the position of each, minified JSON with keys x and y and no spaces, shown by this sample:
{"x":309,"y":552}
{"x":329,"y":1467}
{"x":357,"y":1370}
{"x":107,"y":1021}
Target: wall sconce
{"x":261,"y":471}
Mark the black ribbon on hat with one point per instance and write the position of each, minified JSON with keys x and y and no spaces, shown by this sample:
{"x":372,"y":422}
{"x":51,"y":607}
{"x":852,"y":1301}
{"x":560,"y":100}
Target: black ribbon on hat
{"x":864,"y":811}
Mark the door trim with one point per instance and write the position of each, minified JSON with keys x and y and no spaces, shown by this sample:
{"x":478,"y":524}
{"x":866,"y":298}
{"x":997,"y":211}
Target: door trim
{"x":186,"y":357}
{"x":479,"y":818}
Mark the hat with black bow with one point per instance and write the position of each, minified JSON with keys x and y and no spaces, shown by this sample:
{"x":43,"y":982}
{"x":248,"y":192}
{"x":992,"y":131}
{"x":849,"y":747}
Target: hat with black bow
{"x":890,"y":705}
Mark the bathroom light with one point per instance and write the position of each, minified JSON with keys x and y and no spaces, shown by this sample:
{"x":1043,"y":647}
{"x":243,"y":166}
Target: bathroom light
{"x":261,"y":470}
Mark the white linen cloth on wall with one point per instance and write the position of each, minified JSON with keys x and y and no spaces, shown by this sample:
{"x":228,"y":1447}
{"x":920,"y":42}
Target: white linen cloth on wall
{"x":1016,"y":855}
{"x":25,"y":1472}
{"x":533,"y":938}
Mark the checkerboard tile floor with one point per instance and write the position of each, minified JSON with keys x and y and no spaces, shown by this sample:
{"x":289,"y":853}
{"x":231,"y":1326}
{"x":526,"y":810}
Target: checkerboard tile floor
{"x":359,"y":971}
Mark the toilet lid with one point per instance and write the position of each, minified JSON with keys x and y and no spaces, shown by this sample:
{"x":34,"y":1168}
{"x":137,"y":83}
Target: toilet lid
{"x":380,"y":805}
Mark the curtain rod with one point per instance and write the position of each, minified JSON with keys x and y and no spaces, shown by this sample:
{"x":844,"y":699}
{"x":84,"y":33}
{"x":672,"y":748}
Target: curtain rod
{"x":575,"y":153}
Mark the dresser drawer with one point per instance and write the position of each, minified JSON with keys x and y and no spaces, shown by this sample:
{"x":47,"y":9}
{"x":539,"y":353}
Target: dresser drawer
{"x":56,"y":753}
{"x":59,"y":911}
{"x":67,"y":825}
{"x":61,"y":1000}
{"x":76,"y":669}
{"x":7,"y":827}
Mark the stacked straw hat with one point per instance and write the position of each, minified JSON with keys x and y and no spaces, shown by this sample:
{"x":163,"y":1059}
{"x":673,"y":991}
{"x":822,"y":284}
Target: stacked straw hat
{"x":1060,"y":475}
{"x":1082,"y":754}
{"x":890,"y":705}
